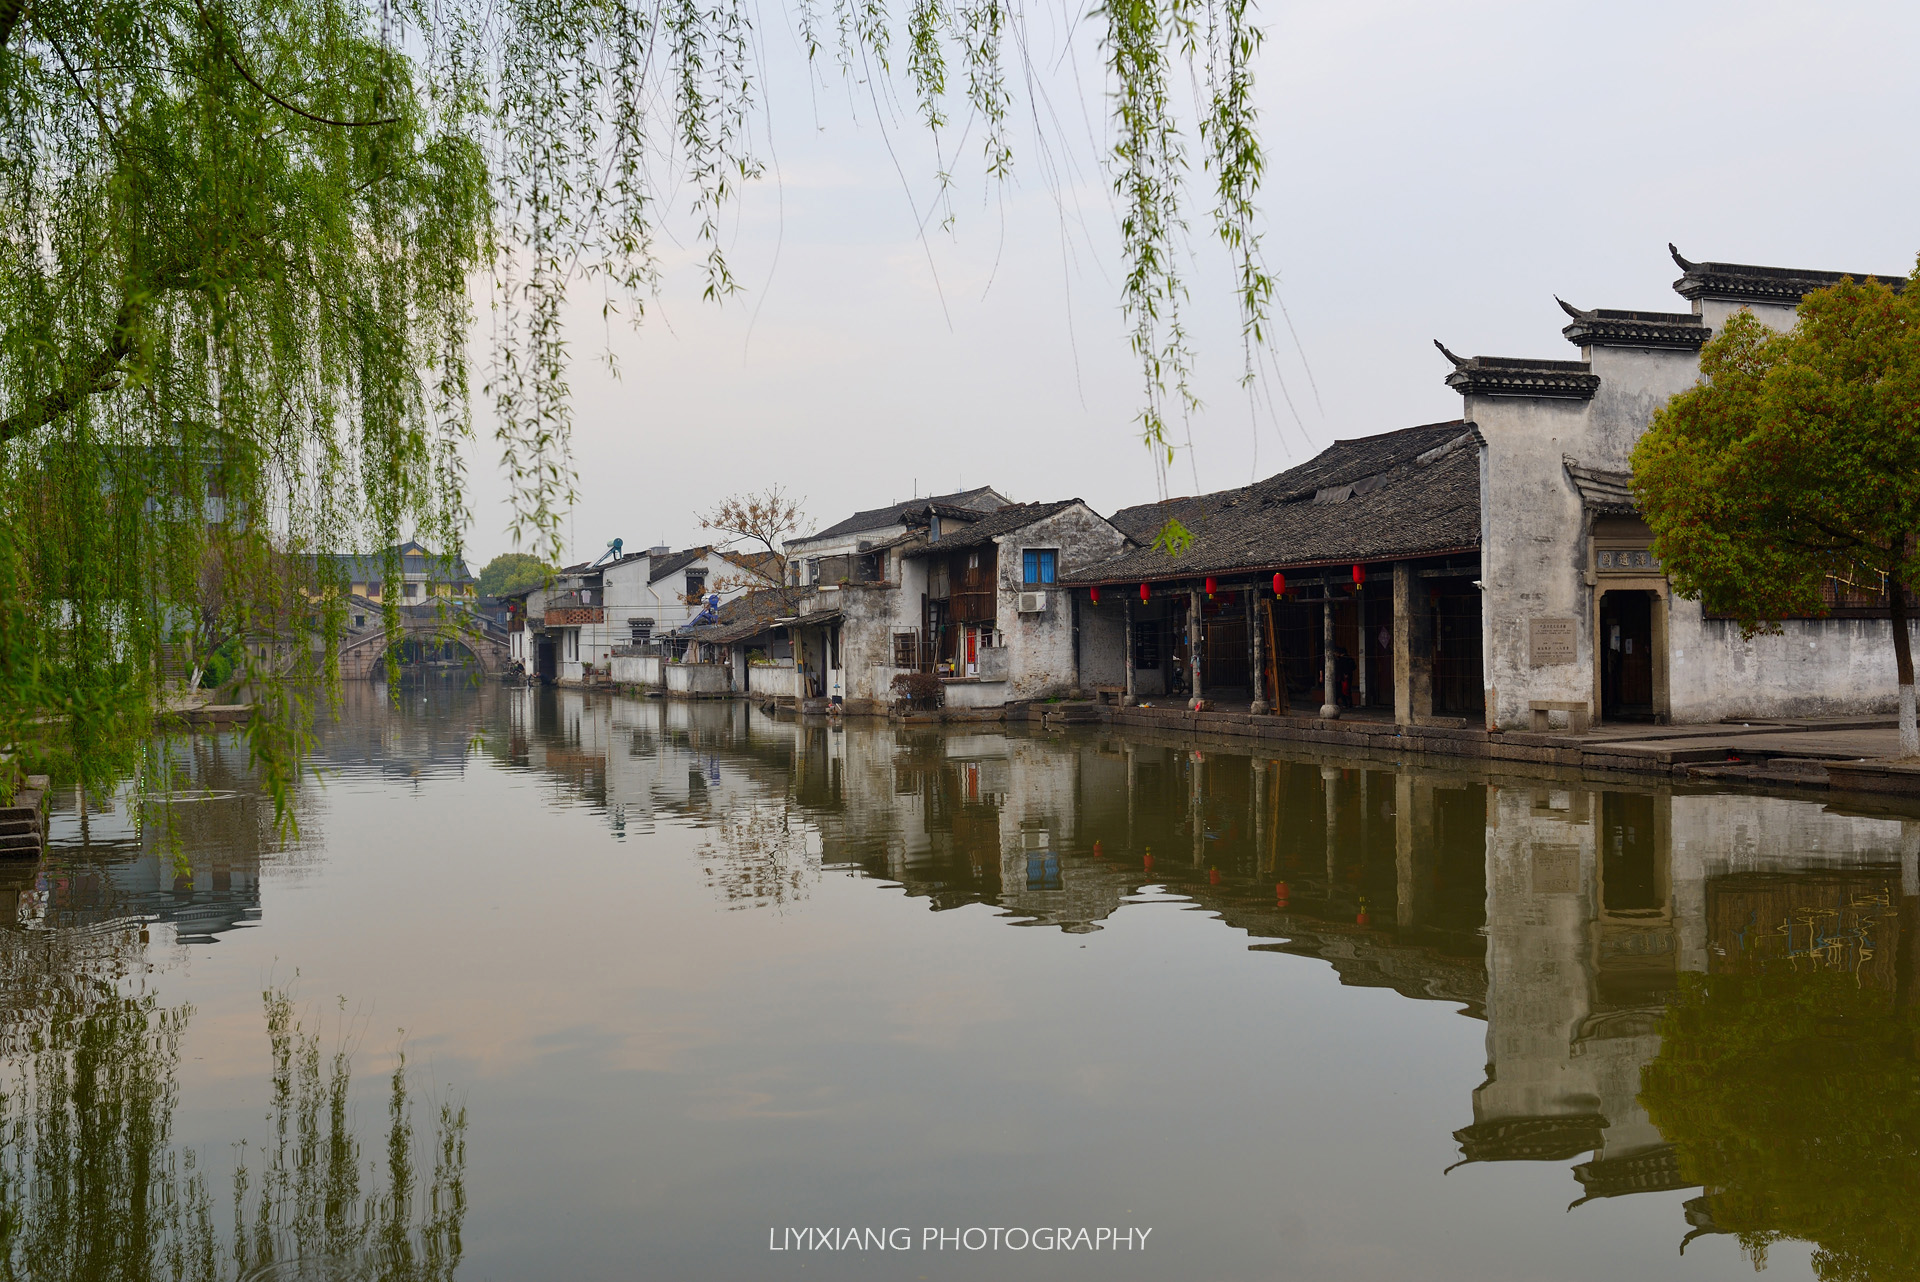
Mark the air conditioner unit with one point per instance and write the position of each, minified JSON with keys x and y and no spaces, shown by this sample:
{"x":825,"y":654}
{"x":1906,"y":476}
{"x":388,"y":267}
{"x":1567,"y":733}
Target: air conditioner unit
{"x":1033,"y":603}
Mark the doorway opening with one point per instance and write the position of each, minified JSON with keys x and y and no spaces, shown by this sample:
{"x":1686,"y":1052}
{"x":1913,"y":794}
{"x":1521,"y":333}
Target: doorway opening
{"x":1627,"y":656}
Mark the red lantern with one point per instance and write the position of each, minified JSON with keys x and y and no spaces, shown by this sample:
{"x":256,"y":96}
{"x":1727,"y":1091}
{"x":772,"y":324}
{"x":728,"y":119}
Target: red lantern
{"x":1143,"y":594}
{"x":1209,"y":586}
{"x":1279,"y":585}
{"x":1213,"y":876}
{"x":1359,"y":575}
{"x":1096,"y":850}
{"x":1095,"y":594}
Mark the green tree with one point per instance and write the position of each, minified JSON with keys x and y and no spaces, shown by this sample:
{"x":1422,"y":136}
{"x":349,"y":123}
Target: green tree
{"x":241,"y":235}
{"x":1796,"y":462}
{"x":511,"y":571}
{"x":1794,"y":1098}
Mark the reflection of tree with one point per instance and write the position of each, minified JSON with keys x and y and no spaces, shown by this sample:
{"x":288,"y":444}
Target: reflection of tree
{"x":1794,"y":1097}
{"x":93,"y":1186}
{"x":757,"y":857}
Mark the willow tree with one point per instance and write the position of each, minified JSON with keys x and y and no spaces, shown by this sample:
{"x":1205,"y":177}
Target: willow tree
{"x":241,"y":247}
{"x":1795,"y":465}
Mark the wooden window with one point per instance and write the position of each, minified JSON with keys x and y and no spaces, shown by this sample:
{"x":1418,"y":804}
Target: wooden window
{"x":906,"y":650}
{"x":1037,"y":565}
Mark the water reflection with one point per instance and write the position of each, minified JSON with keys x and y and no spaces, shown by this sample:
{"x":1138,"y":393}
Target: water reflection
{"x":93,"y":1183}
{"x":1705,"y":992}
{"x":1699,"y":1005}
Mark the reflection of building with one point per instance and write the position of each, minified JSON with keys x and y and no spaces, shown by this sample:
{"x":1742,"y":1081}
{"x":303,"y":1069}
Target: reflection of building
{"x":188,"y":858}
{"x":1578,"y":922}
{"x":1597,"y":903}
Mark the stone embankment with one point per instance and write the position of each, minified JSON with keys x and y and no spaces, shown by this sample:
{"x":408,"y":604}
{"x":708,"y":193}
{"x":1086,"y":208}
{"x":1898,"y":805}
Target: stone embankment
{"x":1843,"y":754}
{"x":23,"y":824}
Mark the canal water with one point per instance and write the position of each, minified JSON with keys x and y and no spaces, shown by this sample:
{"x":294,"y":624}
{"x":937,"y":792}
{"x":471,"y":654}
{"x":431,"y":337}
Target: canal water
{"x":561,"y":985}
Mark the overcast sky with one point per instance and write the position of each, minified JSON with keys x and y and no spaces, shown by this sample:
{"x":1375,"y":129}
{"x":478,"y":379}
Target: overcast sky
{"x":1434,"y":171}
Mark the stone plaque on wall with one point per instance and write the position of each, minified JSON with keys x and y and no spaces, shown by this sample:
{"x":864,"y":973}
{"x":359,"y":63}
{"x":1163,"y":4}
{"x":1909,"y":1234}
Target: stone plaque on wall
{"x":1552,"y":641}
{"x":1556,"y":869}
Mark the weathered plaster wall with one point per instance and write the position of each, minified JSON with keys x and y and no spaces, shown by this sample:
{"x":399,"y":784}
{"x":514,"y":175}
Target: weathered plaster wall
{"x":1103,"y":642}
{"x":1040,"y":645}
{"x":1634,"y":384}
{"x":635,"y":669}
{"x":698,"y":678}
{"x":870,"y":617}
{"x":1531,"y":550}
{"x":1814,"y":667}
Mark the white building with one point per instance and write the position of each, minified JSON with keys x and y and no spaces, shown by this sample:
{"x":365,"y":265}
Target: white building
{"x":575,"y":623}
{"x":1576,"y":610}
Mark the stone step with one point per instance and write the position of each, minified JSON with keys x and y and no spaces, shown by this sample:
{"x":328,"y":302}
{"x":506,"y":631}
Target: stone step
{"x":20,"y":845}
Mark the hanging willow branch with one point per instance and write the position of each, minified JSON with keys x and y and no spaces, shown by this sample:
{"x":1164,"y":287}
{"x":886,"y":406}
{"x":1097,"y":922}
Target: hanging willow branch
{"x":235,"y":281}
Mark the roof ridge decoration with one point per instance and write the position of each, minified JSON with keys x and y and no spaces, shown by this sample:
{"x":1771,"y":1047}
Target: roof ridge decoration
{"x":1520,"y":376}
{"x":1604,"y":492}
{"x":1746,"y":283}
{"x":1660,"y":331}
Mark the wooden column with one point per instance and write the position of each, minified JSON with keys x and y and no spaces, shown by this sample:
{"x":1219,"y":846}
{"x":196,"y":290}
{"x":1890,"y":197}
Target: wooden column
{"x":1328,"y":708}
{"x":1260,"y":704}
{"x":1412,"y":648}
{"x":1197,"y":808}
{"x":1257,"y":793}
{"x":1360,"y":645}
{"x":1195,"y":622}
{"x":1330,"y":797}
{"x":1127,"y":700}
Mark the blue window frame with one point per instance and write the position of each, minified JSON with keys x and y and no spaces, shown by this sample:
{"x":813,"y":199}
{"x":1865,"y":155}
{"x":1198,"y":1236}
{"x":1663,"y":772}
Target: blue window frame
{"x":1037,"y":565}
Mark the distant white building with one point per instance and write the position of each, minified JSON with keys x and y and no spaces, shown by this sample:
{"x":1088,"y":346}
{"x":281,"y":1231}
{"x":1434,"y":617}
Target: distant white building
{"x":576,"y":622}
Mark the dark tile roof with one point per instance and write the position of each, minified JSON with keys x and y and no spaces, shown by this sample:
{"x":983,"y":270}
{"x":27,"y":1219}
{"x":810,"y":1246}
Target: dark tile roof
{"x":1012,"y":517}
{"x":1677,"y":331}
{"x":986,"y":498}
{"x":1520,"y":376}
{"x":1608,"y":493}
{"x":414,"y":559}
{"x":745,"y":616}
{"x":678,"y":561}
{"x":1415,"y":492}
{"x":1143,"y":524}
{"x":1739,"y":282}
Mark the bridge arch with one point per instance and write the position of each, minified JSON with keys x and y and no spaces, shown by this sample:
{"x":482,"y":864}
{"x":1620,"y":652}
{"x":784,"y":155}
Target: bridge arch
{"x":363,"y":654}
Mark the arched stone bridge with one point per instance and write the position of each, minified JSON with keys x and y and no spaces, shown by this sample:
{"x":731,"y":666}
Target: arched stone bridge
{"x":363,"y":650}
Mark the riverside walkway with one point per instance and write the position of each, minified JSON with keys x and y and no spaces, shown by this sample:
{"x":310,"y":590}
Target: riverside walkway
{"x":1852,"y":754}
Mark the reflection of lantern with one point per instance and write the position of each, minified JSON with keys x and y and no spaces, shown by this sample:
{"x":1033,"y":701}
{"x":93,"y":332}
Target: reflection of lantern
{"x":1209,"y":586}
{"x":1359,"y":575}
{"x":1096,"y":850}
{"x":1279,"y":585}
{"x":1095,"y":594}
{"x":1213,"y":876}
{"x":1143,"y":593}
{"x":1148,"y":861}
{"x":1280,"y":890}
